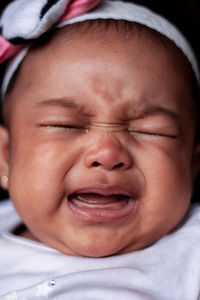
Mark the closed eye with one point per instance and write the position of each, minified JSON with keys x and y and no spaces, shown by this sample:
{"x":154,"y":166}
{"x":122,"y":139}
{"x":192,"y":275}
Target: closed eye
{"x":66,"y":127}
{"x":153,"y":134}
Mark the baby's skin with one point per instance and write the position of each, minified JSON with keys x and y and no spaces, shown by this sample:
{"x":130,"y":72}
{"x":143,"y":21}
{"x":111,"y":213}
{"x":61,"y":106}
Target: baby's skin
{"x":99,"y":142}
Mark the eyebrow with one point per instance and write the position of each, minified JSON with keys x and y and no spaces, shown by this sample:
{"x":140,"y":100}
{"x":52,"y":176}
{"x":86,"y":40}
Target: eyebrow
{"x":148,"y":110}
{"x":65,"y":103}
{"x":151,"y":110}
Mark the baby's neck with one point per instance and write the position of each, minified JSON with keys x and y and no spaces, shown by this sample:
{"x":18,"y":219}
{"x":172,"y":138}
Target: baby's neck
{"x":23,"y":231}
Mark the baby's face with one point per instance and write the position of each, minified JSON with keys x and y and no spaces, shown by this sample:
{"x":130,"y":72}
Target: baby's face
{"x":101,"y":155}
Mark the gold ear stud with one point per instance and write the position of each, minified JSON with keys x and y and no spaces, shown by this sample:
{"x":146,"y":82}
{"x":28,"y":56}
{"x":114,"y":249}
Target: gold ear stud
{"x":4,"y":181}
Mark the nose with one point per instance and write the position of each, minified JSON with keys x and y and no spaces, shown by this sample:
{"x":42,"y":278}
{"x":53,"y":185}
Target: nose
{"x":108,"y":154}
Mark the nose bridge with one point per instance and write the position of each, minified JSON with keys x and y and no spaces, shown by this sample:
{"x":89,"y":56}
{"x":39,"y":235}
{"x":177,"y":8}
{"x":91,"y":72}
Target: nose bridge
{"x":106,"y":149}
{"x":108,"y":127}
{"x":108,"y":141}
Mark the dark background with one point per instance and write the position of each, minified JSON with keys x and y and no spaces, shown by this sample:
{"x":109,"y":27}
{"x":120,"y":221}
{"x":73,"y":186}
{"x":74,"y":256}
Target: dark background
{"x":185,"y":14}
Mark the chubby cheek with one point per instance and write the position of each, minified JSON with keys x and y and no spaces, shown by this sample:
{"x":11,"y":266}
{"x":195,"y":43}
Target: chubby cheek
{"x":168,"y":189}
{"x":37,"y":173}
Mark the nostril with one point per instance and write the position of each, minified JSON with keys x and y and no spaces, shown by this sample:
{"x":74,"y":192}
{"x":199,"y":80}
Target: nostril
{"x":118,"y":165}
{"x":95,"y":164}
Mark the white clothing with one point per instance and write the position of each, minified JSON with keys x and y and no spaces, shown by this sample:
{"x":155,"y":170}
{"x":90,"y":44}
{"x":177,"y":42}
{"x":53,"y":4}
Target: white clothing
{"x":167,"y":270}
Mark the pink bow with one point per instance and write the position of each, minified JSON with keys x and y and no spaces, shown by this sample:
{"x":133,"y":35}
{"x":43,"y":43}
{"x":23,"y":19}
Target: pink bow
{"x":7,"y":50}
{"x":75,"y":8}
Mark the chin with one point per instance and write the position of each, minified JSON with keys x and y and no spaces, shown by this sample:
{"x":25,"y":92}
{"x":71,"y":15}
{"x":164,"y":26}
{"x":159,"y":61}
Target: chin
{"x":96,"y":250}
{"x":97,"y":253}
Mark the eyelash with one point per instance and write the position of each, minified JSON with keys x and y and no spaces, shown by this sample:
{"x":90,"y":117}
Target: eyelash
{"x":66,"y":127}
{"x":154,"y":134}
{"x":86,"y":129}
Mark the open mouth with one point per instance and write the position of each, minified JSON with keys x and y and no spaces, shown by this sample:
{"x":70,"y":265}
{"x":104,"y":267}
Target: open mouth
{"x":101,"y":206}
{"x":93,"y":201}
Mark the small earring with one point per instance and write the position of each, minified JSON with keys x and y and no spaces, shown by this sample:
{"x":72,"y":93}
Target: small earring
{"x":4,"y":181}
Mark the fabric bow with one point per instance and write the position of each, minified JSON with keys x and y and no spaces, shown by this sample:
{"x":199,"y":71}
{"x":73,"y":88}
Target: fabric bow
{"x":24,"y":20}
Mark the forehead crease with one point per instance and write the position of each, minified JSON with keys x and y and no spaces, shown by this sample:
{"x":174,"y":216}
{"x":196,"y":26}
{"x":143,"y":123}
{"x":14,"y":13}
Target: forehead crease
{"x":108,"y":89}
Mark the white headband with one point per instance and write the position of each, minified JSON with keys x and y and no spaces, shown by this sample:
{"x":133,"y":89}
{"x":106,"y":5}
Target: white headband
{"x":118,"y":10}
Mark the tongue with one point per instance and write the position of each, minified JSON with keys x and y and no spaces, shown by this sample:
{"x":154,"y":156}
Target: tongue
{"x":99,"y":201}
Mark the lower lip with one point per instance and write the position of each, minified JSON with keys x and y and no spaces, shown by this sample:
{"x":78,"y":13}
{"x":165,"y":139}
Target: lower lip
{"x":103,"y":214}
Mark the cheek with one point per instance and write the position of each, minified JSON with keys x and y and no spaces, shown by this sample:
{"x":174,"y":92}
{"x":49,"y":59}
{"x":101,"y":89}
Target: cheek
{"x":168,"y":185}
{"x":37,"y":172}
{"x":169,"y":163}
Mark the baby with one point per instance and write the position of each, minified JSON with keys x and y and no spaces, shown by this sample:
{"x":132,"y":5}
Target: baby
{"x":99,"y":152}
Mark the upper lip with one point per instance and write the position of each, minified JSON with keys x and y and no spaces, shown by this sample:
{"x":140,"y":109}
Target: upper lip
{"x":108,"y":190}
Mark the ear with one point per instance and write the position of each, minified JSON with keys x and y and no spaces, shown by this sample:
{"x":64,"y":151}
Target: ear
{"x":4,"y":156}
